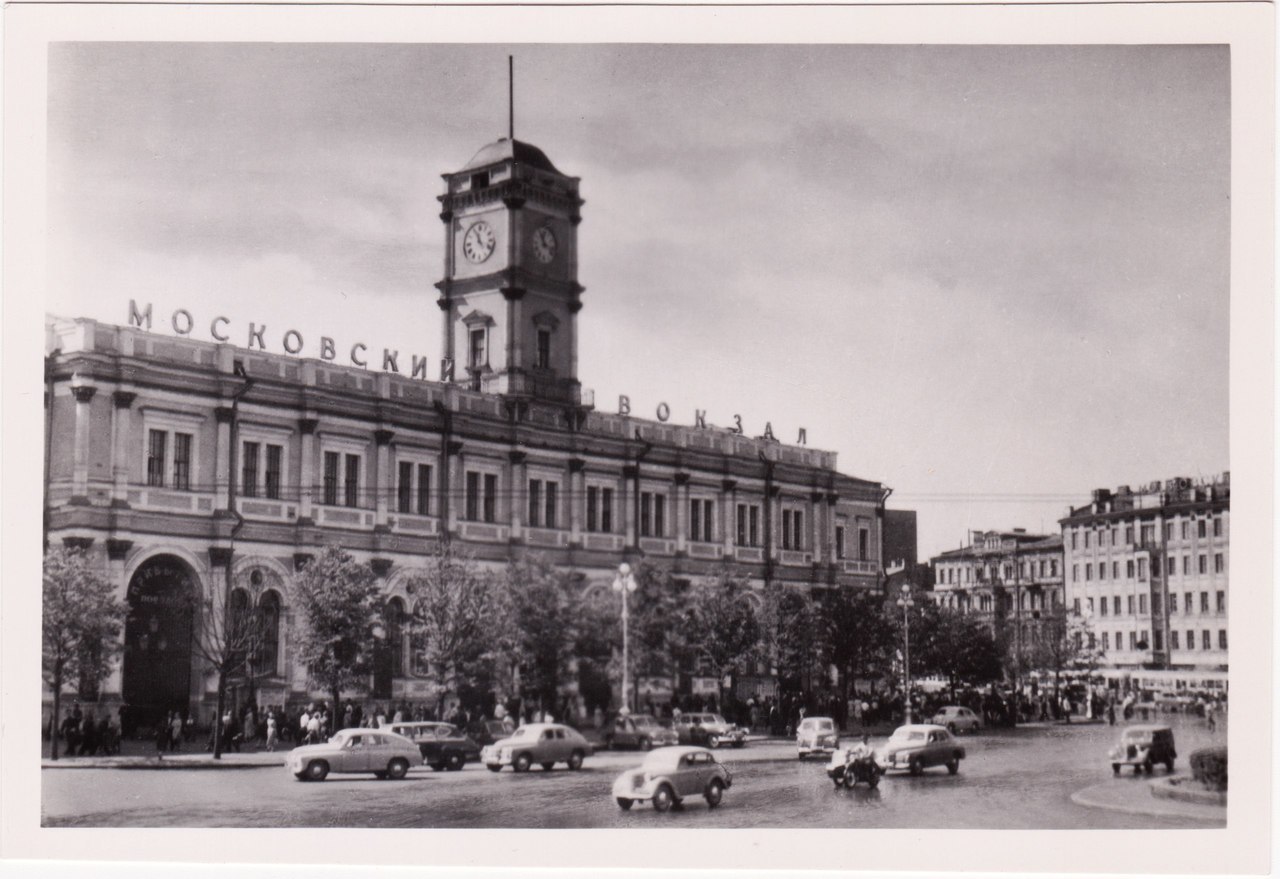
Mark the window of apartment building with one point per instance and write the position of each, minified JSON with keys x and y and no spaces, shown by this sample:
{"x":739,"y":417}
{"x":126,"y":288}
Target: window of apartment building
{"x":1133,"y":640}
{"x":1086,"y":540}
{"x":1128,"y":534}
{"x":1142,"y":569}
{"x":1053,"y":567}
{"x":1222,"y":639}
{"x":1168,"y":531}
{"x":701,"y":513}
{"x":157,"y":442}
{"x":1202,"y":563}
{"x":1106,"y":640}
{"x":653,"y":514}
{"x":1191,"y":639}
{"x":1088,"y":572}
{"x":423,"y":490}
{"x":274,"y":470}
{"x":1075,"y":573}
{"x":1173,"y":639}
{"x":1115,"y":605}
{"x":1102,"y":605}
{"x":1128,"y":569}
{"x":1075,"y":606}
{"x":1187,"y":605}
{"x":1115,"y":570}
{"x":1089,"y":604}
{"x":1222,"y":602}
{"x":1217,"y":526}
{"x":404,"y":487}
{"x":1148,"y":534}
{"x":1073,"y":540}
{"x":1218,"y":563}
{"x":1171,"y":565}
{"x":1173,"y":602}
{"x":1155,"y":566}
{"x":1201,"y":528}
{"x":1186,"y":565}
{"x":1102,"y":537}
{"x":1129,"y":603}
{"x":1204,"y":602}
{"x":1102,"y":570}
{"x":599,"y":509}
{"x":182,"y":461}
{"x":1206,"y":643}
{"x":1157,"y":639}
{"x":951,"y":573}
{"x":1142,"y":604}
{"x":1115,"y":534}
{"x":1186,"y":529}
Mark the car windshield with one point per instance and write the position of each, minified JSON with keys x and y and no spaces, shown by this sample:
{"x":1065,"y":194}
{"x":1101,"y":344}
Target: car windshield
{"x":1137,"y":735}
{"x":909,"y":735}
{"x":522,"y":732}
{"x":645,"y":721}
{"x":335,"y":739}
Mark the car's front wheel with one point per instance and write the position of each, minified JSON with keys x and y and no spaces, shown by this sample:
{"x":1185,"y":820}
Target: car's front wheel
{"x":953,"y":765}
{"x":575,"y":760}
{"x":398,"y":768}
{"x":914,"y":766}
{"x":715,"y":792}
{"x":522,"y":763}
{"x":713,"y":741}
{"x":663,"y":798}
{"x":454,"y":762}
{"x":317,"y":770}
{"x":625,"y":804}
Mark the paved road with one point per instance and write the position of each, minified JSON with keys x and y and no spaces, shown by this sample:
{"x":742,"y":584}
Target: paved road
{"x":1015,"y":779}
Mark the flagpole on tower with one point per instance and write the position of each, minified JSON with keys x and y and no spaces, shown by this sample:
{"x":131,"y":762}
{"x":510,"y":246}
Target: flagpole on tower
{"x":511,"y":98}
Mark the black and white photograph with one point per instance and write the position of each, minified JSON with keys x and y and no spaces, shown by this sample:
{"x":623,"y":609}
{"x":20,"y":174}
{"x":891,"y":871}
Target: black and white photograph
{"x":566,"y":434}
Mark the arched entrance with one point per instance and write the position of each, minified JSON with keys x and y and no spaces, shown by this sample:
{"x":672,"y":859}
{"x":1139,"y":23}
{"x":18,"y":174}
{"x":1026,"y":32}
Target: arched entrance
{"x":157,"y":639}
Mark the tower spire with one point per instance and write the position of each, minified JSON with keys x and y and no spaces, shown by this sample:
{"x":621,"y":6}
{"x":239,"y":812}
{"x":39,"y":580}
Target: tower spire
{"x":511,"y":98}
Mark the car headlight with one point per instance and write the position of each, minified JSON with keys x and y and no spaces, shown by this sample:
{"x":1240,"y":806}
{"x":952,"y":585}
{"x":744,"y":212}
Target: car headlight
{"x":637,"y":782}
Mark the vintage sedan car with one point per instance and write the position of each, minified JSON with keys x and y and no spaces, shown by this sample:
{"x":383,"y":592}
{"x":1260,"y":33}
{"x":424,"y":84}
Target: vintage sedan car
{"x":669,"y":775}
{"x":1142,"y":747}
{"x":917,"y":746}
{"x":486,"y":732}
{"x":957,"y":719}
{"x":442,"y":746}
{"x":637,"y":731}
{"x":711,"y":730}
{"x":543,"y":743}
{"x":383,"y":753}
{"x":816,"y":735}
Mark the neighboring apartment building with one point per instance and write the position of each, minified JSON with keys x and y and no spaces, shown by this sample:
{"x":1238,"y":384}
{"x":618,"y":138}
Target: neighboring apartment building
{"x":158,"y":443}
{"x":1007,"y":576}
{"x":1149,"y":569}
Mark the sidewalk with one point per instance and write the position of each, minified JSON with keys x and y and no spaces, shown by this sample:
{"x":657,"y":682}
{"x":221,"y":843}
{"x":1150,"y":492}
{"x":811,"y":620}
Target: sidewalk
{"x":1133,"y":796}
{"x":139,"y":755}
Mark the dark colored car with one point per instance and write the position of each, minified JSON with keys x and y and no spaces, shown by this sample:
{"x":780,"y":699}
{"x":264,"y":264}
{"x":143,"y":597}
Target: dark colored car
{"x":1142,"y":747}
{"x":486,"y":732}
{"x":641,"y":731}
{"x":441,"y":744}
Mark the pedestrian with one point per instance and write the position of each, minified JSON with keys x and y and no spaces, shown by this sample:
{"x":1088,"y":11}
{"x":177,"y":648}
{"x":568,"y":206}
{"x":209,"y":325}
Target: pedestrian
{"x":313,"y":729}
{"x":271,"y":732}
{"x":304,"y":725}
{"x":1210,"y":717}
{"x":250,"y":727}
{"x":89,"y":736}
{"x":175,"y":732}
{"x":1111,"y":713}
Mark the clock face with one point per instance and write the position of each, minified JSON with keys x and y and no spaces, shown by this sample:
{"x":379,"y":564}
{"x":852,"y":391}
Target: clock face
{"x":479,"y":241}
{"x":544,"y":244}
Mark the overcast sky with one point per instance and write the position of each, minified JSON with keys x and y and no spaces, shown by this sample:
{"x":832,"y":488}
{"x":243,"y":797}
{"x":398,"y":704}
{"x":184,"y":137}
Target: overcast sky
{"x":993,"y":278}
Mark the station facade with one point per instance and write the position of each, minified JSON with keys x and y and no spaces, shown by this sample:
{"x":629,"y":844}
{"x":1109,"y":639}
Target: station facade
{"x":182,"y":465}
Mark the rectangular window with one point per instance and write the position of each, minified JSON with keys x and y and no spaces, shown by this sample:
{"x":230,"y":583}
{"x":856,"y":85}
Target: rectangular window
{"x":478,"y":358}
{"x":797,"y":523}
{"x":1115,"y":605}
{"x":156,"y":442}
{"x":1187,"y":606}
{"x":249,"y":469}
{"x":1202,"y":561}
{"x":1128,"y":569}
{"x":695,"y":519}
{"x":1115,"y":570}
{"x":1173,"y":602}
{"x":404,"y":487}
{"x":1053,"y":567}
{"x":659,"y":515}
{"x":1186,"y":566}
{"x":490,"y":497}
{"x":424,"y":489}
{"x":275,"y":454}
{"x":840,"y":546}
{"x":1128,"y":534}
{"x":182,"y":461}
{"x":535,"y":502}
{"x":1222,"y":602}
{"x":1173,"y":639}
{"x":1073,"y":540}
{"x":1129,"y":603}
{"x":1171,"y":565}
{"x":1086,"y":539}
{"x":646,"y":514}
{"x":864,"y":541}
{"x":1075,"y":573}
{"x":708,"y":517}
{"x":1102,"y":570}
{"x":755,"y":525}
{"x":606,"y":510}
{"x":351,"y":487}
{"x":1133,"y":640}
{"x":473,"y":496}
{"x":1200,"y":528}
{"x":1217,"y":526}
{"x":1106,"y":640}
{"x":593,"y":503}
{"x":1157,"y":639}
{"x":786,"y":529}
{"x":1103,"y":605}
{"x":1204,"y":602}
{"x":1191,"y":639}
{"x":1218,"y":564}
{"x":1075,"y":606}
{"x":331,"y":478}
{"x":1088,"y":572}
{"x":1155,"y":566}
{"x":742,"y":524}
{"x":1142,"y":603}
{"x":1185,"y":529}
{"x":1222,"y":639}
{"x":544,"y":349}
{"x":1089,"y":604}
{"x":553,"y":489}
{"x":1206,"y":643}
{"x":1142,"y":569}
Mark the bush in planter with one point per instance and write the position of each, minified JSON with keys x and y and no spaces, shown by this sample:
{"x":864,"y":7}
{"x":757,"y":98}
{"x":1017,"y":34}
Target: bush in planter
{"x":1209,"y":766}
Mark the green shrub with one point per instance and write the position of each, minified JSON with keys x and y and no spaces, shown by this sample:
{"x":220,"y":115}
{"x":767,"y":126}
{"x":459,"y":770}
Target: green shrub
{"x":1209,"y":766}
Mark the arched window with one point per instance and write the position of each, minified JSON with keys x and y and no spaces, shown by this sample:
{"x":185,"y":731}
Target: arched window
{"x":268,"y":632}
{"x":394,"y":620}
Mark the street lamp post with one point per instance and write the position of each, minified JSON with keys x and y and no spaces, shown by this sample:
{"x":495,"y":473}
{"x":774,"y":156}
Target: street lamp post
{"x":625,"y":582}
{"x":906,"y":603}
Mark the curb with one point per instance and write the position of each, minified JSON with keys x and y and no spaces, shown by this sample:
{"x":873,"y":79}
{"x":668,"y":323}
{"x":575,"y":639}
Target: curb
{"x":1189,"y":811}
{"x":141,"y":764}
{"x":1169,"y":789}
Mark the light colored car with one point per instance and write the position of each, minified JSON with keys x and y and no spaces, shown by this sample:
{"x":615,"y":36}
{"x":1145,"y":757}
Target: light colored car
{"x":957,"y":719}
{"x":638,"y":731}
{"x":816,"y":735}
{"x":711,"y":730}
{"x":918,"y":746}
{"x":543,"y":743}
{"x":383,"y":753}
{"x":669,"y":775}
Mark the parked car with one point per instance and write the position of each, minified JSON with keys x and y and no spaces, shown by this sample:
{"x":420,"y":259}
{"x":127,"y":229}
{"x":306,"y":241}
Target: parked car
{"x":383,"y":753}
{"x":641,"y":731}
{"x":543,"y":743}
{"x":816,"y":735}
{"x":1142,"y":747}
{"x":957,"y":719}
{"x":918,"y":746}
{"x":486,"y":732}
{"x":669,"y":775}
{"x":442,"y":746}
{"x":711,"y":730}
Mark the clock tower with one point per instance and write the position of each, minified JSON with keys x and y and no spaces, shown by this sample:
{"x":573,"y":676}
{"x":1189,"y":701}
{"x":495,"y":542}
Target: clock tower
{"x":510,"y":293}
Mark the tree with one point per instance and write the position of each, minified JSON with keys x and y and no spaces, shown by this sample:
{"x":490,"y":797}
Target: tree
{"x":659,"y":647}
{"x":1062,"y":641}
{"x":542,"y":613}
{"x":857,"y":635}
{"x":452,"y":622}
{"x":791,"y":624}
{"x":957,"y":646}
{"x":338,"y":600}
{"x":81,"y":621}
{"x":721,"y":626}
{"x":226,"y":635}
